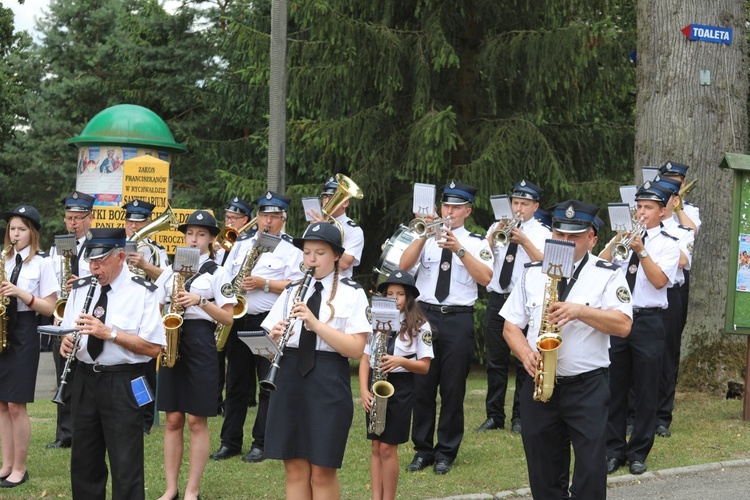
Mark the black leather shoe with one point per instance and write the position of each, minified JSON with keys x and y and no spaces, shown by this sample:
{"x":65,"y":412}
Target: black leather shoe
{"x":489,"y":425}
{"x":637,"y":467}
{"x":59,"y":443}
{"x":613,"y":464}
{"x":254,"y":455}
{"x":418,"y":464}
{"x":663,"y":431}
{"x":442,"y":467}
{"x":8,"y":484}
{"x":3,"y":478}
{"x":515,"y":427}
{"x":224,"y":452}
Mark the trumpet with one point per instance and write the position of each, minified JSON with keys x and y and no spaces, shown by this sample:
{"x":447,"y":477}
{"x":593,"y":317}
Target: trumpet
{"x":621,"y":249}
{"x":425,"y":230}
{"x":228,"y":235}
{"x":501,"y":236}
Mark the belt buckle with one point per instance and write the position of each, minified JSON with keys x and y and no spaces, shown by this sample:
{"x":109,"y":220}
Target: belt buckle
{"x":444,"y":309}
{"x":94,"y":368}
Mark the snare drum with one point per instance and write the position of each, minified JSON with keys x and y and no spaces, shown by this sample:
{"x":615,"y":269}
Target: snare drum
{"x":393,"y":249}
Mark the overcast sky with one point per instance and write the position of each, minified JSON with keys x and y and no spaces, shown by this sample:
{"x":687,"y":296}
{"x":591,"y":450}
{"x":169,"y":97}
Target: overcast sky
{"x":24,"y":14}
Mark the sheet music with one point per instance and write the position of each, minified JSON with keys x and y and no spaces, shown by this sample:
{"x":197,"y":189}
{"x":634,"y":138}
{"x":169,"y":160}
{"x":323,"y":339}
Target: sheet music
{"x":501,"y":206}
{"x":620,"y":217}
{"x":311,"y":203}
{"x":385,"y":314}
{"x":260,"y":343}
{"x":424,"y":199}
{"x":131,"y":247}
{"x":649,"y":173}
{"x":558,"y":258}
{"x":627,"y":194}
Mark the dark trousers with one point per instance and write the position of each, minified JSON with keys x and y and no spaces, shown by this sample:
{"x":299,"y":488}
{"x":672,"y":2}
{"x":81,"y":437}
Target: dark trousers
{"x":108,"y":420}
{"x":576,"y":413}
{"x":64,"y":431}
{"x":148,"y":409}
{"x":497,"y":358}
{"x":453,"y":345}
{"x":241,"y":377}
{"x":636,"y":358}
{"x":671,"y":359}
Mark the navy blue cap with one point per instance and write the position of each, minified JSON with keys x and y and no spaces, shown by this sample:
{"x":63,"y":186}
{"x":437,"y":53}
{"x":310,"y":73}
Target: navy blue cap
{"x":400,"y":278}
{"x":543,"y":216}
{"x":101,"y":241}
{"x":670,"y":184}
{"x":239,"y":206}
{"x":321,"y":231}
{"x":457,"y":193}
{"x":672,"y":168}
{"x":273,"y":202}
{"x":573,"y":216}
{"x":654,"y":192}
{"x":28,"y":212}
{"x":78,"y":202}
{"x":138,"y":210}
{"x":200,"y":218}
{"x":527,"y":189}
{"x":330,"y":186}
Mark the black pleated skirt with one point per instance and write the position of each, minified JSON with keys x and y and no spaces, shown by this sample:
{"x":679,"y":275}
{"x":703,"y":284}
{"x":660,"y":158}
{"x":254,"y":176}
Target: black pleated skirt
{"x":192,"y":385}
{"x":398,"y":409}
{"x":20,"y":361}
{"x":310,"y":417}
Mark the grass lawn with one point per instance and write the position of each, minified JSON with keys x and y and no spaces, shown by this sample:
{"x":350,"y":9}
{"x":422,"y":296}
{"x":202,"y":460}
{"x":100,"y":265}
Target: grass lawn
{"x":707,"y":428}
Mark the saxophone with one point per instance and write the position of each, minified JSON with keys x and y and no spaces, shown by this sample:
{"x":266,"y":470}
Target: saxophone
{"x":381,"y":389}
{"x":173,"y":323}
{"x":5,"y":301}
{"x":548,"y":342}
{"x":66,"y":247}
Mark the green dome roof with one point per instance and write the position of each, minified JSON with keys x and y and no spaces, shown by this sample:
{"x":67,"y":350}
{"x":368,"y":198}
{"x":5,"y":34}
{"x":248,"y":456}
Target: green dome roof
{"x":128,"y":124}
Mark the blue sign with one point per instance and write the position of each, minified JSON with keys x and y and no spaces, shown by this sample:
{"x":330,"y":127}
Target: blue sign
{"x":714,"y":34}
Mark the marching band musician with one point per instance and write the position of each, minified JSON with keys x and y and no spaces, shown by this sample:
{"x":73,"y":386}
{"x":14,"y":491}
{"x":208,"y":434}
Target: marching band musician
{"x":408,"y":351}
{"x":525,"y":244}
{"x":120,"y":332}
{"x":685,"y":213}
{"x":654,"y":258}
{"x":272,"y":273}
{"x":354,"y":237}
{"x":594,"y":306}
{"x":310,"y":413}
{"x":236,"y":215}
{"x":78,"y":219}
{"x":450,"y":269}
{"x":191,"y":385}
{"x":31,"y":287}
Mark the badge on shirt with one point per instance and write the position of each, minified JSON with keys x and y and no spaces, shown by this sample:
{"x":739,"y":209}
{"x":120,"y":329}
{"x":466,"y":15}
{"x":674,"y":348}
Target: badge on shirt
{"x":510,"y":258}
{"x":485,"y":254}
{"x":623,"y":295}
{"x":227,"y":290}
{"x":368,"y":313}
{"x":445,"y":266}
{"x":99,"y":312}
{"x":427,"y":338}
{"x":633,"y":269}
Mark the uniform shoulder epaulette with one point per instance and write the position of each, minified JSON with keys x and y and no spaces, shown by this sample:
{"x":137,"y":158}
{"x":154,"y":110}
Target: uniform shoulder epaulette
{"x":151,"y":287}
{"x":81,"y":282}
{"x":352,"y":223}
{"x":243,"y":237}
{"x":477,"y":235}
{"x":688,"y":203}
{"x":287,"y":238}
{"x":606,"y":265}
{"x":669,"y":236}
{"x":157,"y":245}
{"x":44,"y":255}
{"x":533,"y":264}
{"x":686,"y":228}
{"x":351,"y":283}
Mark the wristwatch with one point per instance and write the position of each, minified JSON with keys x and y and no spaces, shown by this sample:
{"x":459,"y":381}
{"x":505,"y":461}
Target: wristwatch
{"x":643,"y":254}
{"x":267,"y":286}
{"x":461,"y":252}
{"x":113,"y":335}
{"x":203,"y":302}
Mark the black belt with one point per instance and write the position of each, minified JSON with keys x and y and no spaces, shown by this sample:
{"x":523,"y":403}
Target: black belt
{"x":647,"y":310}
{"x":674,"y":287}
{"x":581,"y":376}
{"x":503,"y":295}
{"x":446,"y":309}
{"x":97,"y":368}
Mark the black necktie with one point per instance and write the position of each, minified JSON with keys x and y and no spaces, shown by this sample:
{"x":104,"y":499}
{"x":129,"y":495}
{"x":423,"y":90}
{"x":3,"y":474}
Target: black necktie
{"x":13,"y":305}
{"x":561,"y":286}
{"x":96,"y":345}
{"x":633,"y":265}
{"x":507,"y":270}
{"x":307,"y":338}
{"x":443,"y":287}
{"x":74,"y":269}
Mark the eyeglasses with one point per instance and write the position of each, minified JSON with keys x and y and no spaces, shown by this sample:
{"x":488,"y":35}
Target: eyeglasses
{"x":75,"y":219}
{"x":100,"y":259}
{"x":232,"y":218}
{"x":270,"y":216}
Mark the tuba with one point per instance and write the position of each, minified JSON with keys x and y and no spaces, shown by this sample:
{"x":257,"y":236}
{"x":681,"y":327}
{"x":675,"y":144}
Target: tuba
{"x":347,"y":189}
{"x":228,"y":235}
{"x":165,"y":221}
{"x":622,"y":248}
{"x":548,"y":342}
{"x":66,"y":247}
{"x":185,"y":264}
{"x":381,"y":389}
{"x":5,"y":301}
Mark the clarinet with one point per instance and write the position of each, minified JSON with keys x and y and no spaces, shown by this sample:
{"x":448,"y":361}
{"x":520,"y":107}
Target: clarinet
{"x":58,"y":399}
{"x":269,"y":383}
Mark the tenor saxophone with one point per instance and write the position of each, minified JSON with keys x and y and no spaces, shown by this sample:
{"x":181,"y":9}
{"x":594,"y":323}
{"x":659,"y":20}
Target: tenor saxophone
{"x":5,"y":301}
{"x":548,"y":342}
{"x":381,"y":389}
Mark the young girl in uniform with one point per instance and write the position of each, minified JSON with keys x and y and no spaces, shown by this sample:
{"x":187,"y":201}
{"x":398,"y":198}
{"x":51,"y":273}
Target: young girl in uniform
{"x":311,"y":410}
{"x":32,"y":289}
{"x":409,"y":351}
{"x":191,"y":386}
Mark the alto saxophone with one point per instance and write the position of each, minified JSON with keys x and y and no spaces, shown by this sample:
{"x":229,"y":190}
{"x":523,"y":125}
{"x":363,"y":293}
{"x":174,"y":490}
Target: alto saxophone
{"x":185,"y":261}
{"x":381,"y":389}
{"x":548,"y":342}
{"x":66,"y":247}
{"x":5,"y":301}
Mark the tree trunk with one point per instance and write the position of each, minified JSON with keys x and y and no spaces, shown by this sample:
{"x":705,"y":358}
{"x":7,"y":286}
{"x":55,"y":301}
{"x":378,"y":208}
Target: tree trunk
{"x":277,"y":99}
{"x":681,"y":120}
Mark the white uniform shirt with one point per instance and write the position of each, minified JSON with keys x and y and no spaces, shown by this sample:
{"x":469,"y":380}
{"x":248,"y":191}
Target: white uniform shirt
{"x":132,"y":307}
{"x":282,"y":264}
{"x":584,"y":348}
{"x":463,"y":290}
{"x":685,"y":239}
{"x":693,"y":213}
{"x":421,"y":346}
{"x":350,"y":304}
{"x":57,"y":259}
{"x":354,"y":242}
{"x":215,"y":286}
{"x":148,"y":256}
{"x":36,"y":277}
{"x":537,"y":233}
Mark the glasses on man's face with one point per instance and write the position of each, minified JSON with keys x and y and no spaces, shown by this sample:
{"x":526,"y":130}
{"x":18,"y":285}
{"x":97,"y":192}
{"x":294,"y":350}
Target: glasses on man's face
{"x":99,"y":260}
{"x":232,"y":218}
{"x":270,"y":216}
{"x":78,"y":218}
